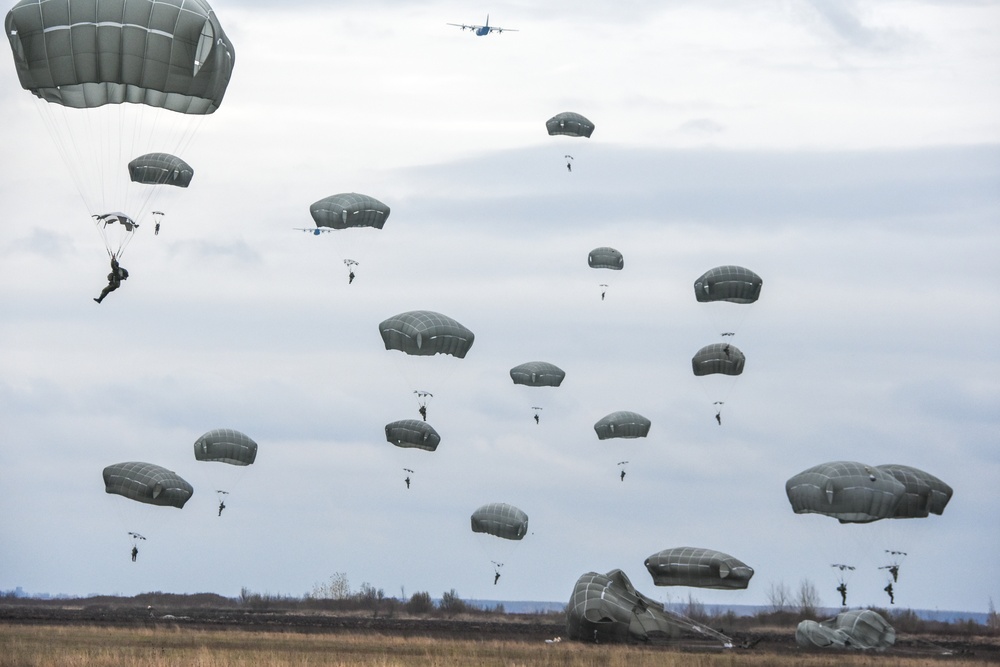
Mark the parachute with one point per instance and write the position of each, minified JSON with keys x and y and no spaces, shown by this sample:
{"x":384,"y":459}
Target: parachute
{"x":861,"y":629}
{"x":412,"y":433}
{"x":118,"y":79}
{"x":924,"y":493}
{"x":607,"y":608}
{"x":500,"y":520}
{"x":570,"y":124}
{"x":848,"y":491}
{"x":722,"y":358}
{"x":734,"y":284}
{"x":622,"y":424}
{"x":160,"y":169}
{"x":606,"y":258}
{"x":537,"y":374}
{"x":147,"y":483}
{"x":703,"y":568}
{"x":226,"y":446}
{"x":426,"y":333}
{"x":348,"y":210}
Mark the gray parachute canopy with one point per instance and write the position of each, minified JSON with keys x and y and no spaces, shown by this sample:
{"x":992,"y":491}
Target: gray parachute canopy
{"x":622,"y":424}
{"x":607,"y":608}
{"x":501,"y":520}
{"x":424,"y":332}
{"x":147,"y":483}
{"x":570,"y":124}
{"x":693,"y":566}
{"x":160,"y":169}
{"x":925,"y":494}
{"x":606,"y":258}
{"x":849,"y":491}
{"x":728,"y":283}
{"x":722,"y":358}
{"x":412,"y":433}
{"x":537,"y":374}
{"x":349,"y":209}
{"x":861,"y":629}
{"x":171,"y":54}
{"x":226,"y":446}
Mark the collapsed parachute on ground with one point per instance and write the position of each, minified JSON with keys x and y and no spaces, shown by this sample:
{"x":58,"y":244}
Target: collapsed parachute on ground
{"x":848,"y":491}
{"x":606,"y":258}
{"x":501,"y":520}
{"x":226,"y":445}
{"x":734,"y":284}
{"x":171,"y":54}
{"x":147,"y":483}
{"x":693,"y":566}
{"x":924,"y":493}
{"x":861,"y":629}
{"x":721,"y":358}
{"x":160,"y":169}
{"x":607,"y":608}
{"x":622,"y":424}
{"x":348,"y":210}
{"x":412,"y":433}
{"x":426,"y":333}
{"x":537,"y":374}
{"x":570,"y":124}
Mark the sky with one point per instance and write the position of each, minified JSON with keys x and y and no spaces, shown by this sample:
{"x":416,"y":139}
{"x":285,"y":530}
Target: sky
{"x":847,"y":152}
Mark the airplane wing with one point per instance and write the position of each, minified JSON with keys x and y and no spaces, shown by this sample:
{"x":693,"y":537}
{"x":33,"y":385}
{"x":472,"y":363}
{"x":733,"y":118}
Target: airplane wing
{"x":315,"y":230}
{"x":499,"y":30}
{"x":466,"y":27}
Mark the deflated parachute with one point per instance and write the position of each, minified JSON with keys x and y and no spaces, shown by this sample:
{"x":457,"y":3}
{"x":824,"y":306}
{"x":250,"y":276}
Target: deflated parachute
{"x":501,"y":520}
{"x":537,"y":374}
{"x":426,"y":333}
{"x":728,"y":283}
{"x":412,"y":433}
{"x":694,"y":566}
{"x":622,"y":424}
{"x":570,"y":124}
{"x":226,"y":446}
{"x":348,"y":210}
{"x":848,"y":491}
{"x":147,"y":483}
{"x":861,"y":629}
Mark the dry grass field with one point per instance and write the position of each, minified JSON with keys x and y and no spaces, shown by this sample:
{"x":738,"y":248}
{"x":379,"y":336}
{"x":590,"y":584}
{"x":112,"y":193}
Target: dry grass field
{"x":46,"y":645}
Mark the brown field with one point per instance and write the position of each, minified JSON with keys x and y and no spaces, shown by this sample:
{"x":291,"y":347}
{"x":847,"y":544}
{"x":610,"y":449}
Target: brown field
{"x":112,"y":637}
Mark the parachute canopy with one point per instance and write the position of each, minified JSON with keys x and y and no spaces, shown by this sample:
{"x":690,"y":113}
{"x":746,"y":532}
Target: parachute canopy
{"x":424,"y":332}
{"x":349,"y":210}
{"x":622,"y":424}
{"x":537,"y":374}
{"x":693,"y":566}
{"x":501,"y":520}
{"x":171,"y":54}
{"x":147,"y":483}
{"x":226,"y":446}
{"x":848,"y":491}
{"x":861,"y":629}
{"x":570,"y":124}
{"x":412,"y":433}
{"x":924,"y":493}
{"x":605,"y":258}
{"x":160,"y":169}
{"x":728,"y":283}
{"x":722,"y":358}
{"x":607,"y":608}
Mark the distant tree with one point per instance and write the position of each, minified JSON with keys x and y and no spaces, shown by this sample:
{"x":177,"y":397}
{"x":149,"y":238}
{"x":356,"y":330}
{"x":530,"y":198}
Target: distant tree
{"x":808,"y":598}
{"x":338,"y":588}
{"x":778,"y":596}
{"x":992,"y":618}
{"x":694,"y":609}
{"x":370,"y":597}
{"x":420,"y":603}
{"x":451,"y":604}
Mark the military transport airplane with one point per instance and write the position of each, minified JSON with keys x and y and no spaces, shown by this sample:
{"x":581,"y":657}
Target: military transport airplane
{"x":482,"y":30}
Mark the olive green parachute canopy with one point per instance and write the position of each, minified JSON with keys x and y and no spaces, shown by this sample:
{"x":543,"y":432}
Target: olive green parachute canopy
{"x":728,"y":283}
{"x":147,"y":483}
{"x":925,"y":494}
{"x":501,"y":520}
{"x":426,"y":333}
{"x":605,"y":258}
{"x":848,"y":491}
{"x":171,"y":54}
{"x":537,"y":374}
{"x":349,"y":210}
{"x":160,"y":169}
{"x":570,"y":124}
{"x":722,"y":358}
{"x":226,"y":446}
{"x":622,"y":424}
{"x":861,"y":629}
{"x":607,"y":608}
{"x":693,"y":566}
{"x":412,"y":433}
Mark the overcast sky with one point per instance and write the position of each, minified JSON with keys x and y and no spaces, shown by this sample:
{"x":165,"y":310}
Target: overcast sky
{"x":848,"y":152}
